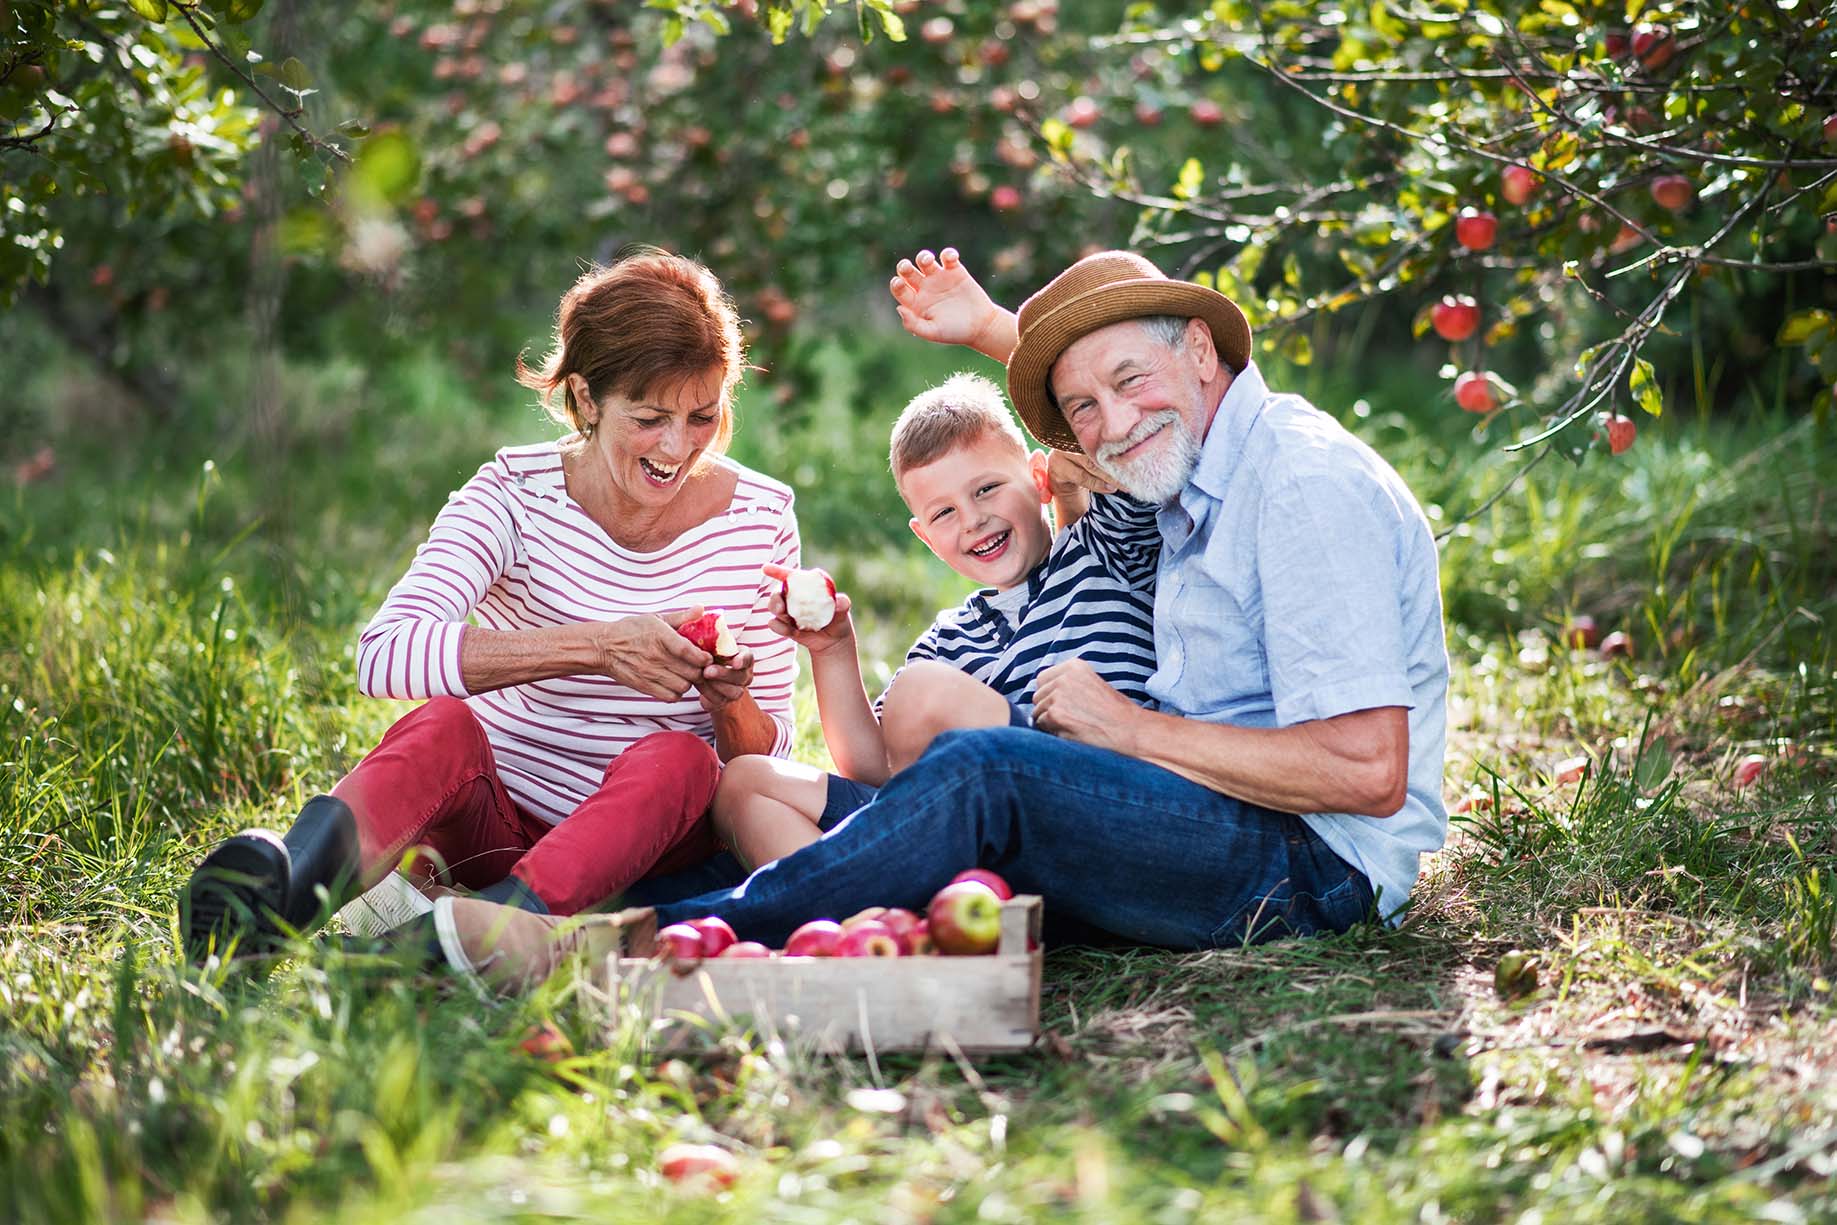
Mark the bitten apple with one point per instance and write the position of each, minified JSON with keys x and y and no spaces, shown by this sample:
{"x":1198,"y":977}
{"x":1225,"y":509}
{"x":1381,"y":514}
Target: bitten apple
{"x":810,"y":598}
{"x":709,"y":632}
{"x":965,"y":919}
{"x":817,"y":938}
{"x":1455,"y":317}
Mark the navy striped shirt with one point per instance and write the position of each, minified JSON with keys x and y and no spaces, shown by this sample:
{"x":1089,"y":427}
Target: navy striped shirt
{"x":1091,"y":599}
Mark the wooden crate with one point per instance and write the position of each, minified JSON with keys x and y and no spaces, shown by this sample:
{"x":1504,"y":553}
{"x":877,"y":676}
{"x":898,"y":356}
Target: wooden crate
{"x":974,"y":1004}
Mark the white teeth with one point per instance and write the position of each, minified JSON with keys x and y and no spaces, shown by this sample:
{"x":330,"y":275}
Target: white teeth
{"x":663,"y":473}
{"x":985,"y":550}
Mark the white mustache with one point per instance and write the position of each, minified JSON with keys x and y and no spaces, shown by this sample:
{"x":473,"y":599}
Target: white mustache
{"x":1145,"y":427}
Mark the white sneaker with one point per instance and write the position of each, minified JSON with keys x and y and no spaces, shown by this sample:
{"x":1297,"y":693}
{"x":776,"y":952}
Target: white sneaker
{"x":389,"y":904}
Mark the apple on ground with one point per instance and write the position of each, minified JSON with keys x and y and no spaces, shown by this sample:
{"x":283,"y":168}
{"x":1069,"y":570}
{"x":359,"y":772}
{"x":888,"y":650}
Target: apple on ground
{"x":546,"y":1042}
{"x":983,"y":875}
{"x":1582,"y":634}
{"x":817,"y":938}
{"x":1570,"y":769}
{"x":869,"y":938}
{"x":1475,"y":229}
{"x":716,"y":934}
{"x":965,"y":919}
{"x":743,"y":949}
{"x":680,"y":942}
{"x":1473,"y":391}
{"x":1616,"y":645}
{"x":1517,"y":184}
{"x":1673,"y":192}
{"x":810,"y":594}
{"x":702,"y":1164}
{"x":1455,"y":317}
{"x":1749,"y":769}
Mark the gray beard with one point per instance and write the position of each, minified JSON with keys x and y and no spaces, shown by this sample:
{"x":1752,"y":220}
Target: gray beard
{"x":1158,"y":477}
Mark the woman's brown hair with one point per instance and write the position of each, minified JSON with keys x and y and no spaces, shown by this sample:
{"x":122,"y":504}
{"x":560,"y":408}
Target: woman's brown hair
{"x":648,"y":318}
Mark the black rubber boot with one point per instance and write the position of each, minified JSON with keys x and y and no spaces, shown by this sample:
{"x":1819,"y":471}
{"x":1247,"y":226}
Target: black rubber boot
{"x":255,"y":888}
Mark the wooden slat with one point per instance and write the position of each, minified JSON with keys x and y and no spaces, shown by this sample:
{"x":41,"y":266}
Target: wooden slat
{"x":982,"y":1004}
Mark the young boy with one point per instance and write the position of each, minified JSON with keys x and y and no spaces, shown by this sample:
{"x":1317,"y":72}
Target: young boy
{"x":977,"y":498}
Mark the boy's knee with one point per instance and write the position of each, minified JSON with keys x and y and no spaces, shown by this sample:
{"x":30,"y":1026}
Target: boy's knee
{"x":921,"y":692}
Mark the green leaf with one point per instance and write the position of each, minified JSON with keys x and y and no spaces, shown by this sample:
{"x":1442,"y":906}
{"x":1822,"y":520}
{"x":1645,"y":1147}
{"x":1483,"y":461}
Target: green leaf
{"x":1191,"y":180}
{"x":1803,"y":326}
{"x":1643,"y":383}
{"x":294,"y":74}
{"x":152,"y":10}
{"x":388,"y":167}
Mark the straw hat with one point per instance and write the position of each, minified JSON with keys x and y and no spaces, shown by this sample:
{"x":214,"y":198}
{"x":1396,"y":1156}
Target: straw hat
{"x":1097,"y":291}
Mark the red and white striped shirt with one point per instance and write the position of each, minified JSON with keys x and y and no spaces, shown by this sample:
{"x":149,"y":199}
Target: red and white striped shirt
{"x":513,"y":551}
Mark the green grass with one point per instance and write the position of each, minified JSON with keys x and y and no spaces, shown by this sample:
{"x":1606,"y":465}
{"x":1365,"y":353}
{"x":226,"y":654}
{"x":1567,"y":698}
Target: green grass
{"x":175,"y":648}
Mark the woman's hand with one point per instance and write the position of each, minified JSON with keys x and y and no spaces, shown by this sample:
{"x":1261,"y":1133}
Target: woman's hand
{"x":939,"y":300}
{"x":647,"y":654}
{"x":838,"y":633}
{"x":723,"y":684}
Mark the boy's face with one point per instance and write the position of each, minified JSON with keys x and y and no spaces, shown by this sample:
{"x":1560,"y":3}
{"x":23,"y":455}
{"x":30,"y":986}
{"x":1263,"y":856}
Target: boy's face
{"x":979,"y":508}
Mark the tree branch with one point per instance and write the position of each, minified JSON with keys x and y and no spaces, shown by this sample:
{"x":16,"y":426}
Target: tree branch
{"x":290,"y":114}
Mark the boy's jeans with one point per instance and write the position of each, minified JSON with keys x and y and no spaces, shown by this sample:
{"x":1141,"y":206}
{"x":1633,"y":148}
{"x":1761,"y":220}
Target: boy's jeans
{"x":1109,"y":841}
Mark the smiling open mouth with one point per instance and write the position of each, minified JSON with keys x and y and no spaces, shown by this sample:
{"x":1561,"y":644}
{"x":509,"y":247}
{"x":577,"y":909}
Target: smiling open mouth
{"x":657,"y":474}
{"x":992,"y":546}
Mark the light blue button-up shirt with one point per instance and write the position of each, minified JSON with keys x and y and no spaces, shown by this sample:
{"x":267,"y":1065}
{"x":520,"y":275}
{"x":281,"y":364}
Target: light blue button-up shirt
{"x":1298,"y":581}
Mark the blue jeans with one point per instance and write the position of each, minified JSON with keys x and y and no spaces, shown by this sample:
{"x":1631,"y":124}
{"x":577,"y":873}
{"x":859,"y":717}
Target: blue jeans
{"x":1110,"y":842}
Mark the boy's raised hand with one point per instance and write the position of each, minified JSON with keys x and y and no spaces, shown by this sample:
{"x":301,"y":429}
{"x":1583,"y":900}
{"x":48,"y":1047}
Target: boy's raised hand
{"x":939,"y":300}
{"x":839,"y":631}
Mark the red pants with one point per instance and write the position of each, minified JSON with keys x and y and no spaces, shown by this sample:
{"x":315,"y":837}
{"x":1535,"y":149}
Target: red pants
{"x":433,"y":782}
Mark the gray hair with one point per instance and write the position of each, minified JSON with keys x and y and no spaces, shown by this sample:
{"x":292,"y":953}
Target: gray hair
{"x":1170,"y":330}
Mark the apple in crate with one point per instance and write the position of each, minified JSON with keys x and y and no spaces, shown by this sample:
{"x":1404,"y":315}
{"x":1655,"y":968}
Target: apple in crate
{"x":746,"y":948}
{"x":680,"y":942}
{"x":709,"y":632}
{"x":919,"y":942}
{"x":1001,"y":887}
{"x":810,"y":598}
{"x":965,"y":919}
{"x":904,"y":923}
{"x":869,"y":938}
{"x":817,"y":938}
{"x":716,"y":934}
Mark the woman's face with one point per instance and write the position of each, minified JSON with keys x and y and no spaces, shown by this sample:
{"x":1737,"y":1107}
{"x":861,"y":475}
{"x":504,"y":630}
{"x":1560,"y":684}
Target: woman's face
{"x":651,"y":444}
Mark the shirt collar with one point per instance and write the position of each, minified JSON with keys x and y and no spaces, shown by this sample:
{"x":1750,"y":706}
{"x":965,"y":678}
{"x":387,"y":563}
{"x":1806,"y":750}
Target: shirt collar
{"x":1231,"y":425}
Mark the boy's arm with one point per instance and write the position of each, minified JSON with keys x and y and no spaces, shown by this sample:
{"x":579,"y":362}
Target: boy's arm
{"x":1121,"y":531}
{"x":939,"y":300}
{"x":850,"y":727}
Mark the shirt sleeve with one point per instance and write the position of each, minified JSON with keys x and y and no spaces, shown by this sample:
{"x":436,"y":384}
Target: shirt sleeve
{"x":1121,"y":532}
{"x":774,"y":656}
{"x":410,"y":649}
{"x":1332,"y":599}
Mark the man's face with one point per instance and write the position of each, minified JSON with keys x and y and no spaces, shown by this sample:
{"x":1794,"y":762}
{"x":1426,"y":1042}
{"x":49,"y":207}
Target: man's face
{"x":1137,"y":405}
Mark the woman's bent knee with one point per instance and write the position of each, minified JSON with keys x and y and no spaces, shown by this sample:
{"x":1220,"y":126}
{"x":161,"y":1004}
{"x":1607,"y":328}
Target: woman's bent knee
{"x":682,"y":755}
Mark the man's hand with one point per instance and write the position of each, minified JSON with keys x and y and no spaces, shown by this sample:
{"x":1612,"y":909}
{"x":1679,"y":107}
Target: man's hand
{"x":939,"y":300}
{"x":1071,"y":473}
{"x":1070,"y":700}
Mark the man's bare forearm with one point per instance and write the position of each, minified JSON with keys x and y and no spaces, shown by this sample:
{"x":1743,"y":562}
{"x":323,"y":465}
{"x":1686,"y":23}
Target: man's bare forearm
{"x":1357,"y":763}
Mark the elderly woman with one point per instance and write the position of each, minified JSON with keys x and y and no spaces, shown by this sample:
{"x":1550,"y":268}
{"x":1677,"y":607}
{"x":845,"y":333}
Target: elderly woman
{"x":567,"y":745}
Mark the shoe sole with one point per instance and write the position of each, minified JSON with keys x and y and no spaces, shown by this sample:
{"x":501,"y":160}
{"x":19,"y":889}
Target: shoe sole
{"x":233,"y":901}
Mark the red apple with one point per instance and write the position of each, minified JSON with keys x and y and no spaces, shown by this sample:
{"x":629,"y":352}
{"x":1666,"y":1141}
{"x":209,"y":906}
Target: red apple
{"x":699,"y":1163}
{"x":1617,"y":644}
{"x":1618,"y":44}
{"x":680,"y":942}
{"x":1517,"y":184}
{"x":716,"y":934}
{"x":1206,"y":113}
{"x":1456,"y":317}
{"x":810,"y":594}
{"x":1620,"y":432}
{"x":869,"y":938}
{"x":1748,"y":770}
{"x":986,"y":877}
{"x":1653,"y":46}
{"x":817,"y":938}
{"x":1673,"y":191}
{"x":872,"y":913}
{"x":1475,"y":229}
{"x":546,"y":1042}
{"x":1474,"y":392}
{"x":1582,"y":633}
{"x":1005,"y":199}
{"x":1571,"y":769}
{"x":919,"y":942}
{"x":1147,"y":115}
{"x":1830,"y":129}
{"x":965,"y":919}
{"x":903,"y":923}
{"x":1083,"y":112}
{"x":709,"y":632}
{"x":746,"y":948}
{"x":937,"y":31}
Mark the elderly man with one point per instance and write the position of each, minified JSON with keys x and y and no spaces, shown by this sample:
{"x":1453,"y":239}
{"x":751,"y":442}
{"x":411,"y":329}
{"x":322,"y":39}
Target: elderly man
{"x":1289,"y":774}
